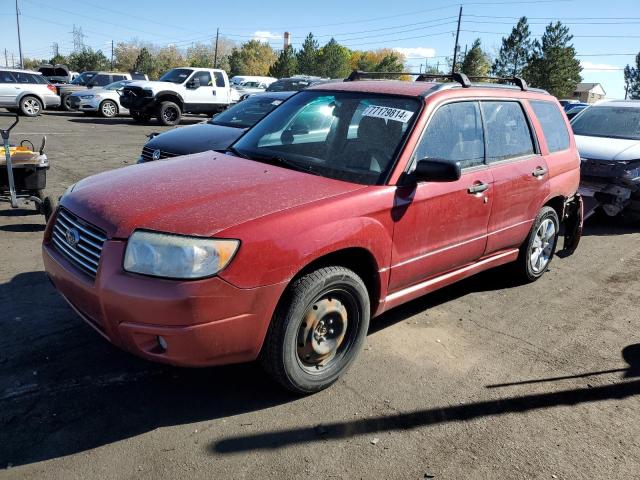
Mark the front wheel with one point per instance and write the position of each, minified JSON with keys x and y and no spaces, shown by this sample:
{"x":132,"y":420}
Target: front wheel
{"x":108,"y":109}
{"x":318,"y":330}
{"x":538,"y":250}
{"x":169,"y":114}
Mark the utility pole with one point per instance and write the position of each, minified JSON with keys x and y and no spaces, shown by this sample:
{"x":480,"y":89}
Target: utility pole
{"x":6,"y":58}
{"x":626,"y":90}
{"x":111,"y":54}
{"x":13,"y":61}
{"x":215,"y":52}
{"x":19,"y":39}
{"x":455,"y":47}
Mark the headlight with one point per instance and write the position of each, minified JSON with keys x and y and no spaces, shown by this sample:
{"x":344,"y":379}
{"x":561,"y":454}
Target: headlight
{"x":86,"y":97}
{"x":176,"y":256}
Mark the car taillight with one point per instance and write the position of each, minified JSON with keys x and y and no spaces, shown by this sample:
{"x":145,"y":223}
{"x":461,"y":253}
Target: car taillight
{"x":52,"y":88}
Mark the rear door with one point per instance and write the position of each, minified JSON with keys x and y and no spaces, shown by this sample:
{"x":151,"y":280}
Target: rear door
{"x":443,"y":226}
{"x":222,"y":92}
{"x":520,"y":173}
{"x":8,"y":89}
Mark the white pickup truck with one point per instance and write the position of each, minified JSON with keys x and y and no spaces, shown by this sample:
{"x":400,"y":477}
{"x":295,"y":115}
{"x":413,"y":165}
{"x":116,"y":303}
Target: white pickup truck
{"x":180,"y":90}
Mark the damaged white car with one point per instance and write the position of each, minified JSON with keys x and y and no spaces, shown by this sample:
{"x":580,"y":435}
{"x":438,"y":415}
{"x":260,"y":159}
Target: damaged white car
{"x":608,"y":139}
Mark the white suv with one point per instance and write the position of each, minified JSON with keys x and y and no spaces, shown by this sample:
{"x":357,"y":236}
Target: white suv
{"x":26,"y":92}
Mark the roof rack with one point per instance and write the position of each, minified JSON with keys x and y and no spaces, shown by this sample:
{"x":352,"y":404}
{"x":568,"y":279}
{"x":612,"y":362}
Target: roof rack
{"x":460,"y":78}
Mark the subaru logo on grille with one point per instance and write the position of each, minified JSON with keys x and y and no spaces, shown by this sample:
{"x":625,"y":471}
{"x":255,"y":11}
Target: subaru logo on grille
{"x":73,"y":237}
{"x":156,"y":155}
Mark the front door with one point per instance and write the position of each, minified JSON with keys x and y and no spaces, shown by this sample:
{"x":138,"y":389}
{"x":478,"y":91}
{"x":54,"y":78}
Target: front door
{"x":202,"y":95}
{"x":443,"y":226}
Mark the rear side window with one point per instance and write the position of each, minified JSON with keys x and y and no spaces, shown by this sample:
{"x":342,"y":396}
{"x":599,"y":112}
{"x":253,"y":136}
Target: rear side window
{"x":508,"y":133}
{"x":454,"y":134}
{"x":24,"y":77}
{"x":219,"y":79}
{"x":553,"y":125}
{"x":7,"y":77}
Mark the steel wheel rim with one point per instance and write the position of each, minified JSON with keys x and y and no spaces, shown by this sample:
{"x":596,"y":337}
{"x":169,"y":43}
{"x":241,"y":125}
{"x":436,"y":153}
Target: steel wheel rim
{"x":542,"y":247}
{"x":109,"y":109}
{"x":31,"y":106}
{"x":170,"y":114}
{"x":327,"y":331}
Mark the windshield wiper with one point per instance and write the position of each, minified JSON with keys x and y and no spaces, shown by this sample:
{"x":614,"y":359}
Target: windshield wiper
{"x":283,"y":162}
{"x":233,"y":150}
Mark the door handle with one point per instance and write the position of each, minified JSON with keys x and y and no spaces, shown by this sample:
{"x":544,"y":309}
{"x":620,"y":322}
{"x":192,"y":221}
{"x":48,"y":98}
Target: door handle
{"x":477,"y":188}
{"x":539,"y":172}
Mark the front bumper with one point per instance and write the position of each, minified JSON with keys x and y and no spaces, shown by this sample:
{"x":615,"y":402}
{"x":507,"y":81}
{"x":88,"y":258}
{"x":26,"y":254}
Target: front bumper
{"x":139,"y":103}
{"x":204,"y":322}
{"x":83,"y":105}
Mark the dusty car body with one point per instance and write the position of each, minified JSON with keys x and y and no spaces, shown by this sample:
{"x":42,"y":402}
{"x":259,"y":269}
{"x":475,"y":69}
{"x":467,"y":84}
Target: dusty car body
{"x":347,"y":200}
{"x":608,"y":139}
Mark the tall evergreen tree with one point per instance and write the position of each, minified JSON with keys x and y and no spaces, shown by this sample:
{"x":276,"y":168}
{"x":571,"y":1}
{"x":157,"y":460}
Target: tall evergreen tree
{"x":286,"y":65}
{"x":632,"y":79}
{"x":553,"y":64}
{"x":476,"y":63}
{"x":307,"y":56}
{"x":334,"y":60}
{"x":514,"y":52}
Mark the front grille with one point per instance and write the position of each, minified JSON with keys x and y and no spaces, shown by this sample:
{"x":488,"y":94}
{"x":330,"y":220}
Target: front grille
{"x":83,"y":253}
{"x":147,"y":154}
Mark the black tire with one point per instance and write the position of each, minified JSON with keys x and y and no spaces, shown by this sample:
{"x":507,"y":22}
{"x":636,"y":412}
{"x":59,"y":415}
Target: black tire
{"x":49,"y":206}
{"x":108,"y":109}
{"x":140,"y":117}
{"x":30,"y":106}
{"x":169,"y":114}
{"x":66,"y":103}
{"x":340,"y":298}
{"x":526,"y":269}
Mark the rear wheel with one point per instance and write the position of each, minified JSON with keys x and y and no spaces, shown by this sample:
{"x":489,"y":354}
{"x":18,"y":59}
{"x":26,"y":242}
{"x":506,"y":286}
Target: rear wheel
{"x":318,"y":330}
{"x":108,"y":109}
{"x":30,"y":106}
{"x":169,"y":114}
{"x":140,"y":117}
{"x":538,"y":251}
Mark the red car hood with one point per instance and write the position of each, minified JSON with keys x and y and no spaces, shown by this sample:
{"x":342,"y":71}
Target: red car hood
{"x":200,"y":194}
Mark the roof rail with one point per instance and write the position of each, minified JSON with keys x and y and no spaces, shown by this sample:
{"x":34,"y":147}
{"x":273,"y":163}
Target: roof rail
{"x":517,"y":81}
{"x":461,"y":78}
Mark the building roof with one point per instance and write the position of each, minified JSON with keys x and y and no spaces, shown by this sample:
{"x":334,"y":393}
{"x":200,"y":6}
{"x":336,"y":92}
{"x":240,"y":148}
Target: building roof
{"x":589,"y":87}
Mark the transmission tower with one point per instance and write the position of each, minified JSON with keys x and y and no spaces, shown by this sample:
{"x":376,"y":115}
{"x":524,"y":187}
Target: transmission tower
{"x":78,"y":39}
{"x":55,"y":49}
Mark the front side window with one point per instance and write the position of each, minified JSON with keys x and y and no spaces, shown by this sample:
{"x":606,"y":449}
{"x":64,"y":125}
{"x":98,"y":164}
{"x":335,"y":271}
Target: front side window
{"x":349,"y":136}
{"x":246,"y":113}
{"x":176,"y":75}
{"x":83,"y":78}
{"x":553,"y":125}
{"x":117,"y":78}
{"x":454,"y":134}
{"x":608,"y":122}
{"x":508,"y":133}
{"x":204,"y":78}
{"x":101,"y":80}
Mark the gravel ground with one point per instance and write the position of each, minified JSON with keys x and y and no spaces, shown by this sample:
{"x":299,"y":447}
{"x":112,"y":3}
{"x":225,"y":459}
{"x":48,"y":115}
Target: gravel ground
{"x":483,"y":379}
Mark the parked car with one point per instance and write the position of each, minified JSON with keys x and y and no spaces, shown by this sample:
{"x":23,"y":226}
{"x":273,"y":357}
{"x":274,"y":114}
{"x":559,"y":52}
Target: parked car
{"x":237,"y":80}
{"x":608,"y":138}
{"x":294,"y":84}
{"x":26,"y":92}
{"x":85,"y":81}
{"x":216,"y":134}
{"x":567,"y":102}
{"x":283,"y":248}
{"x":180,"y":90}
{"x":575,"y":110}
{"x":246,"y":89}
{"x":104,"y":101}
{"x":57,"y":73}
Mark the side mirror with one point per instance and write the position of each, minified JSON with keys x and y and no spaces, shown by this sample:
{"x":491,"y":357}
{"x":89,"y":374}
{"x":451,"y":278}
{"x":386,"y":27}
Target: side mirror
{"x":436,"y":170}
{"x":194,"y":83}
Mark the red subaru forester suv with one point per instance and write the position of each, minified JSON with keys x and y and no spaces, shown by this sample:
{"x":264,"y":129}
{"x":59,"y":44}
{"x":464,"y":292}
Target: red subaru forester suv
{"x":347,"y":200}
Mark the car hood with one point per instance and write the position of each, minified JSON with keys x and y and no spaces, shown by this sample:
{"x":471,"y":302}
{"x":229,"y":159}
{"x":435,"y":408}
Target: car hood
{"x":600,"y":148}
{"x":200,"y":195}
{"x":89,"y":91}
{"x":195,"y":139}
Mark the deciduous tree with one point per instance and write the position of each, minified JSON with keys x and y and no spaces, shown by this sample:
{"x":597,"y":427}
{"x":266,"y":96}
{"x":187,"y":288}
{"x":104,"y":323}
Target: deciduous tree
{"x":88,"y":59}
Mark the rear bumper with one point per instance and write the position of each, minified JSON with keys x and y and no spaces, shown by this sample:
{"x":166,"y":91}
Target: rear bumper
{"x":51,"y":101}
{"x":205,"y":322}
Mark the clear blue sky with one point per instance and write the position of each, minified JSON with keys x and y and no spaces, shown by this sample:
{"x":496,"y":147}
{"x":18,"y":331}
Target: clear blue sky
{"x":606,"y":33}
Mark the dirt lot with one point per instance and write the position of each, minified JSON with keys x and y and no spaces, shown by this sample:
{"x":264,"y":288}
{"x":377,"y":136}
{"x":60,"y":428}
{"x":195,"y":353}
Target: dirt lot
{"x":482,"y":380}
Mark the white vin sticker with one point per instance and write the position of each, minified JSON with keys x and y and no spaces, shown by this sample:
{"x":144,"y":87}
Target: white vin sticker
{"x":388,"y":113}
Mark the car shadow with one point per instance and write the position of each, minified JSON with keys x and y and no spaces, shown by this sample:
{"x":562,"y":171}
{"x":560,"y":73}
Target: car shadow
{"x":441,"y":415}
{"x":23,"y":227}
{"x":600,"y":224}
{"x":18,"y":212}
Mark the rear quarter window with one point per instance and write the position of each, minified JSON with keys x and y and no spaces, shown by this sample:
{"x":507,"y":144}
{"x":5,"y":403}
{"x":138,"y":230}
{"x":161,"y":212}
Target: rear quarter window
{"x":553,"y":125}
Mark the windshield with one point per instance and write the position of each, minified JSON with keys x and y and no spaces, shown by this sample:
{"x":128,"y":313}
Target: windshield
{"x":117,"y":85}
{"x":83,"y":78}
{"x":177,"y":75}
{"x":348,"y":136}
{"x":611,"y":122}
{"x":246,"y":113}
